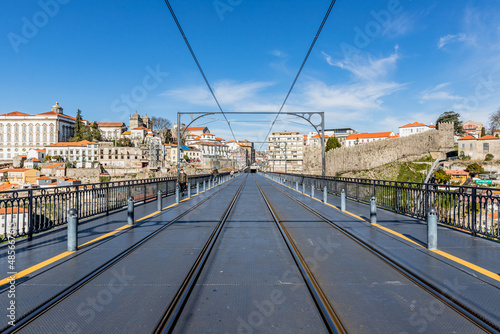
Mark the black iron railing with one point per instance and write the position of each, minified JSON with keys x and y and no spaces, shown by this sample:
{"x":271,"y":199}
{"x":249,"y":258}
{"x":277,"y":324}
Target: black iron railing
{"x":25,"y":212}
{"x":475,"y":209}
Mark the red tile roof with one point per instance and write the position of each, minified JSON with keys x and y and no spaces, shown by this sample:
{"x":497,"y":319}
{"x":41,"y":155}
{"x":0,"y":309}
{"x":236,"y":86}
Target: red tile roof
{"x":18,"y":169}
{"x":142,"y":128}
{"x":55,"y":165}
{"x":432,"y":126}
{"x":54,"y":113}
{"x":488,"y":137}
{"x":5,"y":187}
{"x":82,"y":143}
{"x":365,"y":135}
{"x":43,"y":178}
{"x":110,"y":124}
{"x":41,"y":151}
{"x":409,"y":125}
{"x":468,"y":137}
{"x":318,"y":135}
{"x":196,"y":128}
{"x":457,"y":172}
{"x":15,"y":113}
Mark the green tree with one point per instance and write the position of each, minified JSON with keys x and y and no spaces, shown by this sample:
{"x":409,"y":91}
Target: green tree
{"x":483,"y":131}
{"x":78,"y":133}
{"x":96,"y":133}
{"x":332,"y":143}
{"x":489,"y":156}
{"x":451,"y":116}
{"x":441,"y":176}
{"x":169,"y":139}
{"x":475,"y":168}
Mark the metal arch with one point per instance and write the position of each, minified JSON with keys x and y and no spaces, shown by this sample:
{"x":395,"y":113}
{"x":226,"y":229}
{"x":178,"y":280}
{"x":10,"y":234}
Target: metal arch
{"x":305,"y":115}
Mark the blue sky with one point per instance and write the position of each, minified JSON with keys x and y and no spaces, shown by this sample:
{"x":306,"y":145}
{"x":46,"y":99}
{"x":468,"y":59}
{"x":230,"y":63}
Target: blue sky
{"x":376,"y":66}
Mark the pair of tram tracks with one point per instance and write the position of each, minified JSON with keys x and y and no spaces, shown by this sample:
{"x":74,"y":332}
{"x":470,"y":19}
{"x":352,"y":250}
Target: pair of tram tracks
{"x":44,"y":307}
{"x":415,"y":278}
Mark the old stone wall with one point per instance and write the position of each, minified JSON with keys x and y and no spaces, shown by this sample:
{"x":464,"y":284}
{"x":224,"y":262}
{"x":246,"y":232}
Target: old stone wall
{"x":86,"y":175}
{"x":379,"y":153}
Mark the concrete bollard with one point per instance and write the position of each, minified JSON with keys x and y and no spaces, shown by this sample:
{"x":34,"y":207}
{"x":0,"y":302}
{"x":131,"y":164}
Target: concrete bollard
{"x":130,"y":211}
{"x":297,"y":185}
{"x":342,"y":200}
{"x":325,"y":194}
{"x":177,"y":194}
{"x":189,"y":190}
{"x":303,"y":188}
{"x":204,"y":186}
{"x":197,"y":188}
{"x":158,"y":201}
{"x":373,"y":210}
{"x":432,"y":228}
{"x":312,"y":190}
{"x":72,"y":230}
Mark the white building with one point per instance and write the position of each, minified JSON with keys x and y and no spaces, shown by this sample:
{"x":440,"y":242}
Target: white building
{"x":414,"y":128}
{"x":289,"y":144}
{"x":83,"y":152}
{"x":111,"y":130}
{"x":13,"y":220}
{"x":363,"y":138}
{"x":20,"y":132}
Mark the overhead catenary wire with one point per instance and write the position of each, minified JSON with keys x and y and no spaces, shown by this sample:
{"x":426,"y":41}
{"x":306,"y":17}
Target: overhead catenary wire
{"x":325,"y":18}
{"x":198,"y":64}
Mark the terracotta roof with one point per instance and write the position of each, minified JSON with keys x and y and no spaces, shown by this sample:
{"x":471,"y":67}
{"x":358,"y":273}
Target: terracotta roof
{"x":456,"y":172}
{"x":55,"y":165}
{"x":34,"y":160}
{"x":409,"y":125}
{"x":219,"y":139}
{"x":231,"y":141}
{"x":365,"y":135}
{"x":196,"y":128}
{"x":18,"y":169}
{"x":192,"y":134}
{"x":198,"y":138}
{"x":142,"y":128}
{"x":110,"y":124}
{"x":207,"y":134}
{"x":41,"y":151}
{"x":432,"y":126}
{"x":43,"y":178}
{"x":22,"y":155}
{"x":318,"y":135}
{"x":54,"y":113}
{"x":15,"y":113}
{"x":4,"y":187}
{"x":53,"y":184}
{"x":468,"y":137}
{"x":82,"y":143}
{"x":395,"y":136}
{"x":10,"y":210}
{"x":488,"y":137}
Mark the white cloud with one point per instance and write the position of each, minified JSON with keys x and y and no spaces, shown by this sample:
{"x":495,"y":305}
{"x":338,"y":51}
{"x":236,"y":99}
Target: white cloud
{"x":437,"y":93}
{"x":366,"y":68}
{"x":278,"y":53}
{"x":451,"y":38}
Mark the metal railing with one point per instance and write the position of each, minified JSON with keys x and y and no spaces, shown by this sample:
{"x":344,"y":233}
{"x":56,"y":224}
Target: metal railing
{"x":475,"y":209}
{"x":25,"y":212}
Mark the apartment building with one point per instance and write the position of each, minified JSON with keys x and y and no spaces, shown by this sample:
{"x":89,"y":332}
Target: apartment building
{"x":285,"y":151}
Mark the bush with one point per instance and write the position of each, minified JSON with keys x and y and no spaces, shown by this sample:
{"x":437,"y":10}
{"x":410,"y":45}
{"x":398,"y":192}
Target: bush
{"x":462,"y":156}
{"x":489,"y":157}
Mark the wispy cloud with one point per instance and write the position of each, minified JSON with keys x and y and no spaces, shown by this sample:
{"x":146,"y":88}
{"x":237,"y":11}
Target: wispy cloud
{"x":278,"y":53}
{"x":438,"y":93}
{"x":452,"y":38}
{"x":366,"y":68}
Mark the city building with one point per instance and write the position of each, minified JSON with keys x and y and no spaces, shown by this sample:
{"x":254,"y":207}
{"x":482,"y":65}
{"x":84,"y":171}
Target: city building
{"x":136,"y":121}
{"x":341,"y":134}
{"x":13,"y":219}
{"x":22,"y":175}
{"x":414,"y":128}
{"x":473,"y":128}
{"x":20,"y":132}
{"x":478,"y":148}
{"x":82,"y":153}
{"x":31,"y":163}
{"x":122,"y":157}
{"x":363,"y":138}
{"x":285,"y":151}
{"x":57,"y":169}
{"x":111,"y":130}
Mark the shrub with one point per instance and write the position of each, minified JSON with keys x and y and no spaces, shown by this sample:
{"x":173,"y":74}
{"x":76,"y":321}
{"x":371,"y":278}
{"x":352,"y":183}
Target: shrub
{"x":489,"y":157}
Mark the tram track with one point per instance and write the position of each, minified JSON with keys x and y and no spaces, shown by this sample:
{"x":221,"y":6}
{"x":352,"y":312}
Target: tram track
{"x":36,"y":312}
{"x":416,"y":279}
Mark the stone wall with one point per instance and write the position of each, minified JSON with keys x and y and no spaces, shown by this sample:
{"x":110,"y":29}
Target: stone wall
{"x":379,"y":153}
{"x":86,"y":175}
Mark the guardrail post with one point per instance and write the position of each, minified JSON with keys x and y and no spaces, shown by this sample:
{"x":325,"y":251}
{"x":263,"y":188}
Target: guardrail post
{"x":373,"y":210}
{"x":325,"y":195}
{"x":107,"y":199}
{"x":145,"y":190}
{"x":188,"y":185}
{"x":197,"y":187}
{"x":312,"y":190}
{"x":297,"y":185}
{"x":130,"y":211}
{"x":342,"y":200}
{"x":158,"y":200}
{"x":72,"y":230}
{"x":473,"y":211}
{"x":177,"y":194}
{"x":303,"y":187}
{"x":30,"y":216}
{"x":432,"y":228}
{"x":204,"y":186}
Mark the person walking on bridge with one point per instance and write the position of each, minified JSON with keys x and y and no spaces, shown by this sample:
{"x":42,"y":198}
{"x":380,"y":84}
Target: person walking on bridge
{"x":215,"y":172}
{"x":182,"y":180}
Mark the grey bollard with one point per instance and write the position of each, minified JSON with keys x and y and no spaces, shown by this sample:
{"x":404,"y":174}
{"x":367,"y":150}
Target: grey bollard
{"x":373,"y":210}
{"x":158,"y":201}
{"x":189,"y":189}
{"x":303,"y":188}
{"x":204,"y":186}
{"x":432,"y":228}
{"x":130,"y":211}
{"x":312,"y":190}
{"x":197,"y":188}
{"x":325,"y":193}
{"x":177,"y":194}
{"x":297,"y":185}
{"x":72,"y":230}
{"x":342,"y":200}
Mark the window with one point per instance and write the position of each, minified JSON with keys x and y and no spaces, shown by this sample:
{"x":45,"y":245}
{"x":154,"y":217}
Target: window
{"x":486,"y":146}
{"x":463,"y":145}
{"x":470,"y":145}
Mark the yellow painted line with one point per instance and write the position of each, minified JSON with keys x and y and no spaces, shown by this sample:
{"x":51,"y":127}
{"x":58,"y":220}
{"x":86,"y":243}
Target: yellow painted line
{"x":469,"y":265}
{"x":171,"y":205}
{"x":106,"y":235}
{"x":352,"y":214}
{"x":35,"y":267}
{"x":185,"y":199}
{"x":397,"y":234}
{"x":148,"y":216}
